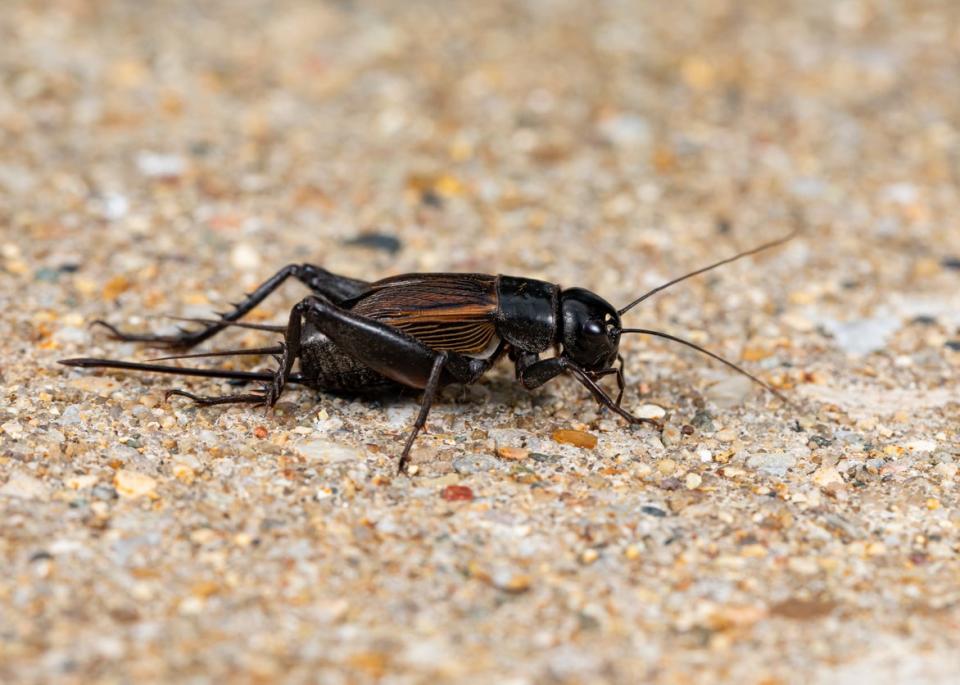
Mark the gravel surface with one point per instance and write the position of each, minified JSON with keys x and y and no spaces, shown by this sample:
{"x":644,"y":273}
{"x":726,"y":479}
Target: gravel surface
{"x":161,"y":158}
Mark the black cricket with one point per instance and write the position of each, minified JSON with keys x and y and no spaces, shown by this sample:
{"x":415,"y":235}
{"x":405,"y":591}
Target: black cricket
{"x":422,"y":331}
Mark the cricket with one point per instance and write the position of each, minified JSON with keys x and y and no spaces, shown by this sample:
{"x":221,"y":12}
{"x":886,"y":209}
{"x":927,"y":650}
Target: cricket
{"x":420,"y":331}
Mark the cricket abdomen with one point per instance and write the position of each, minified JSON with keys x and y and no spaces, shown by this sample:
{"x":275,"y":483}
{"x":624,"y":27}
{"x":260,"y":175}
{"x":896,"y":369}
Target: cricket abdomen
{"x":326,"y":367}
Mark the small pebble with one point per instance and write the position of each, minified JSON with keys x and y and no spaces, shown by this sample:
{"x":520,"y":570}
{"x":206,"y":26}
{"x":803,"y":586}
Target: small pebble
{"x":327,"y":451}
{"x":513,"y":453}
{"x":703,"y":421}
{"x":376,"y":241}
{"x":921,"y":445}
{"x":946,"y":471}
{"x":726,"y":435}
{"x":650,"y":411}
{"x":625,"y":130}
{"x":81,"y":482}
{"x":24,"y":487}
{"x":153,"y":165}
{"x":575,"y":437}
{"x":245,"y":257}
{"x":827,"y":475}
{"x":670,"y":483}
{"x":511,"y":581}
{"x":132,"y":484}
{"x":670,"y":436}
{"x":183,"y":472}
{"x":589,"y":556}
{"x":693,"y":481}
{"x":666,"y":467}
{"x":772,"y":463}
{"x":457,"y":493}
{"x":474,"y":463}
{"x":104,"y":492}
{"x":950,"y":263}
{"x":12,"y":429}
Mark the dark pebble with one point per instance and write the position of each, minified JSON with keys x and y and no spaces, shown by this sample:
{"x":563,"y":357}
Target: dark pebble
{"x":688,"y":429}
{"x":954,"y":345}
{"x":200,"y":148}
{"x":670,"y":484}
{"x":653,"y":511}
{"x":951,"y":263}
{"x":924,"y":320}
{"x":431,"y":199}
{"x":104,"y":492}
{"x":544,"y":458}
{"x":46,"y":275}
{"x":269,"y":524}
{"x":821,"y":441}
{"x":42,"y":555}
{"x":376,"y":241}
{"x":587,"y":622}
{"x":703,"y":421}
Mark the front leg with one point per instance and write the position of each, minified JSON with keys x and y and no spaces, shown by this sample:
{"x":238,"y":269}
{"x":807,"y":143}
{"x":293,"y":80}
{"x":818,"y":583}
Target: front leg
{"x":534,"y":372}
{"x":618,"y":372}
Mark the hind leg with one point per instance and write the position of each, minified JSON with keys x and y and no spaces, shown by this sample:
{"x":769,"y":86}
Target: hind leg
{"x":321,"y":281}
{"x":384,"y":349}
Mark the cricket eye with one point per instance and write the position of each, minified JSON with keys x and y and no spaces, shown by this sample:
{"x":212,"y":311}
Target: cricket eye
{"x":593,"y":328}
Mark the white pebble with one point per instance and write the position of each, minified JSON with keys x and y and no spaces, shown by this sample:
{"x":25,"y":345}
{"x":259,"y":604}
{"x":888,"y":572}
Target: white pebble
{"x":650,"y":411}
{"x":244,"y":257}
{"x":921,"y":445}
{"x":327,"y":451}
{"x":154,"y":165}
{"x":25,"y":487}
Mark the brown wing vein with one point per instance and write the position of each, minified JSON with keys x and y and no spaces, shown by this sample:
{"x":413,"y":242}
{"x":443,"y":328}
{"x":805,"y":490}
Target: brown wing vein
{"x":452,"y":312}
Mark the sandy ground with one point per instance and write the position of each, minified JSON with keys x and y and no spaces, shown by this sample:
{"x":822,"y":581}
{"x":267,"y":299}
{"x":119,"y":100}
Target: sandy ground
{"x":161,"y":158}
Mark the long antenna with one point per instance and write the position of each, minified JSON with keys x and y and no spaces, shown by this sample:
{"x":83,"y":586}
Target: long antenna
{"x":661,"y":334}
{"x":761,"y":248}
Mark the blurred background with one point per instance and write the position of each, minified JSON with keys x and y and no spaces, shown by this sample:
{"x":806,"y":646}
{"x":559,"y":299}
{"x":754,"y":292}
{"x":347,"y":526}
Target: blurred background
{"x":158,"y":158}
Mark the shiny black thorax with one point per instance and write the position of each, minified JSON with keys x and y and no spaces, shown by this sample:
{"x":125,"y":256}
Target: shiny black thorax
{"x":527,"y":313}
{"x":535,"y":315}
